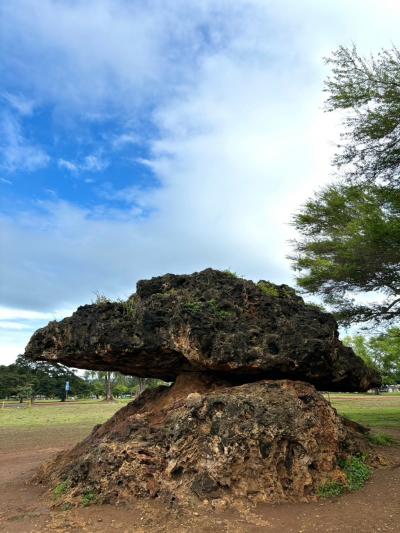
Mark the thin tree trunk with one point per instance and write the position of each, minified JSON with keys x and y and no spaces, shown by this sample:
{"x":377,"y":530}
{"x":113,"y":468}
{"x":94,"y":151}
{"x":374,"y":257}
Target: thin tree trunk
{"x":142,"y":385}
{"x":108,"y":386}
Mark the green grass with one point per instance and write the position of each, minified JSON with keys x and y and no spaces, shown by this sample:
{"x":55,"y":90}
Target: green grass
{"x":381,"y":439}
{"x":62,"y":414}
{"x":368,"y":409}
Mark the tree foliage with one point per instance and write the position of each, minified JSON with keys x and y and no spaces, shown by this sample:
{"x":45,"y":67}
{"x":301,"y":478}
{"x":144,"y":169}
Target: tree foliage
{"x":369,"y":90}
{"x":350,"y":245}
{"x":27,"y":378}
{"x":381,"y":353}
{"x":351,"y":230}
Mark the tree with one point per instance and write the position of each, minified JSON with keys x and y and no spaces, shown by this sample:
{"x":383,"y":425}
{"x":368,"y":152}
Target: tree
{"x":351,"y":230}
{"x":40,"y":378}
{"x":104,"y":377}
{"x":369,"y":90}
{"x":381,"y":353}
{"x":350,"y":245}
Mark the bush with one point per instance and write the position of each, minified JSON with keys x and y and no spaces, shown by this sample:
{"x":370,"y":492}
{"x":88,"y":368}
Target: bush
{"x":357,"y":473}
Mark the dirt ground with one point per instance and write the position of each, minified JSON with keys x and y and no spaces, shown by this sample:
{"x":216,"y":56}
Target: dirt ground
{"x":28,"y":508}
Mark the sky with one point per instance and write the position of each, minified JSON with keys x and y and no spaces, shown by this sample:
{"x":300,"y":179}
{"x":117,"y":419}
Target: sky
{"x":144,"y":137}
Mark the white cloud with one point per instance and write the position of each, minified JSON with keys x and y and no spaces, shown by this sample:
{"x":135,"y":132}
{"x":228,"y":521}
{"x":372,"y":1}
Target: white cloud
{"x":17,"y":326}
{"x":68,"y":165}
{"x":17,"y":152}
{"x":24,"y":106}
{"x":239,"y":141}
{"x":125,"y":139}
{"x":90,"y":163}
{"x":94,"y":163}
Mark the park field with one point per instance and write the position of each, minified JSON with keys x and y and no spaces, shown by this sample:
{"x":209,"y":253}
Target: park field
{"x":369,"y":409}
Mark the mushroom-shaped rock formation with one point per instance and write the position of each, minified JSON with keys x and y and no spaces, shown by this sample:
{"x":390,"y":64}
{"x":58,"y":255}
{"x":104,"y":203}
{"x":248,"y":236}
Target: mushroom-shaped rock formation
{"x":239,"y":421}
{"x":212,"y":322}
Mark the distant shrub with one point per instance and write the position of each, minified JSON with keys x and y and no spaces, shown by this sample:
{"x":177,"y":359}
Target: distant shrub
{"x":316,"y":306}
{"x":193,"y":306}
{"x":231,"y":273}
{"x":216,"y":310}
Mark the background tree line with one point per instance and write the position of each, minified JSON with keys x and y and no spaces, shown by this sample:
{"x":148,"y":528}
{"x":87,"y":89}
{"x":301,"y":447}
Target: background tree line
{"x":27,"y":379}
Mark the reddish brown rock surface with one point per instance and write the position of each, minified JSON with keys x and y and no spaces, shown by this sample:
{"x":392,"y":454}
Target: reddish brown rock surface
{"x":209,"y":321}
{"x":274,"y":440}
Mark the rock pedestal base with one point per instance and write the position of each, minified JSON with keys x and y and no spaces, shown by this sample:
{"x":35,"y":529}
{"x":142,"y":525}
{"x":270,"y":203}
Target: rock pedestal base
{"x":270,"y":441}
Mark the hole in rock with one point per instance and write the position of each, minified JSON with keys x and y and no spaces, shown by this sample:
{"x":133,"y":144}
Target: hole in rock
{"x":273,"y":348}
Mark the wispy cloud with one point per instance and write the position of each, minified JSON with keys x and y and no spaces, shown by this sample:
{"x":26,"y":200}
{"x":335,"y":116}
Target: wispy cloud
{"x":68,"y":165}
{"x":16,"y":151}
{"x":24,"y":106}
{"x":125,"y":139}
{"x":90,"y":163}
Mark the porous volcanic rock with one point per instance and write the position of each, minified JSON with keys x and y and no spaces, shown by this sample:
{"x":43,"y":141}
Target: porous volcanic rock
{"x":271,"y":441}
{"x":209,"y":321}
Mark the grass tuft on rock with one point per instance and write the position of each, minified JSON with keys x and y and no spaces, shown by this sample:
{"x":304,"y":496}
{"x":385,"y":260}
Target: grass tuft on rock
{"x":381,"y":439}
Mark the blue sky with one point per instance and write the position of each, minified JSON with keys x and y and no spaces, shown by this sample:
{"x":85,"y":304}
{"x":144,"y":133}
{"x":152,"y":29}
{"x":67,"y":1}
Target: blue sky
{"x":138,"y":138}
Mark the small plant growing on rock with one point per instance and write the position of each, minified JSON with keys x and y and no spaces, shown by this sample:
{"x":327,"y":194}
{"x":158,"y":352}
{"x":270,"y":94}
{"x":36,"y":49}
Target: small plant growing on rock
{"x":101,"y":299}
{"x":231,"y":273}
{"x":88,"y":498}
{"x":128,"y":306}
{"x":62,"y":488}
{"x":216,"y":309}
{"x":194,"y":306}
{"x":268,"y":288}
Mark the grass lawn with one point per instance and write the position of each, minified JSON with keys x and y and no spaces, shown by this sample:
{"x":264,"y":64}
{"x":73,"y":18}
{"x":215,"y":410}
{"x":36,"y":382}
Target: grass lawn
{"x":368,"y":409}
{"x":71,"y":421}
{"x":59,"y":414}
